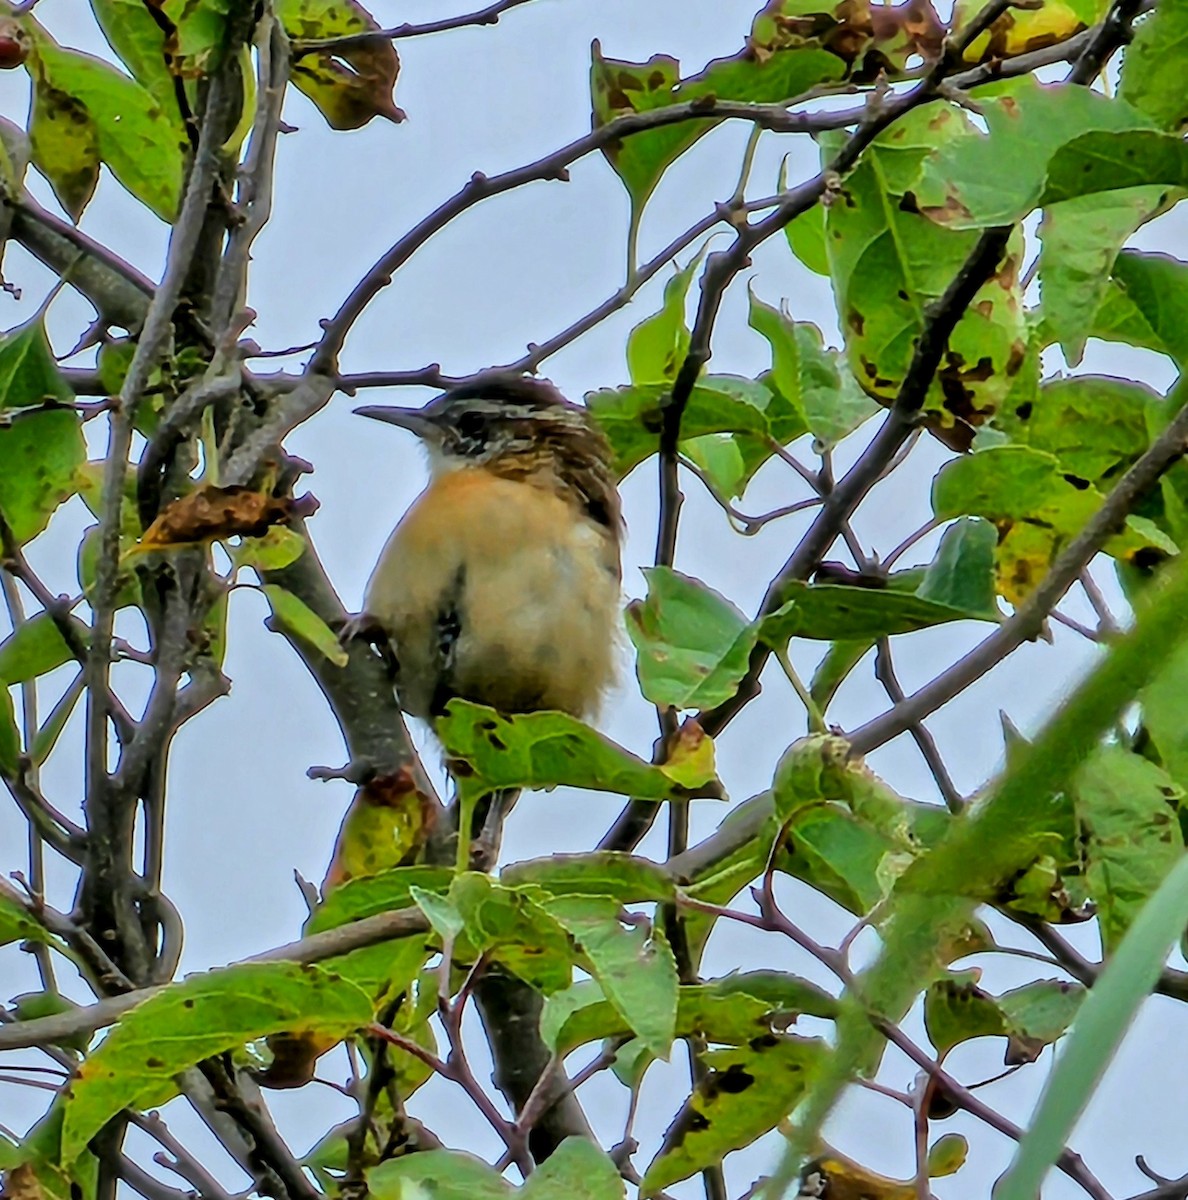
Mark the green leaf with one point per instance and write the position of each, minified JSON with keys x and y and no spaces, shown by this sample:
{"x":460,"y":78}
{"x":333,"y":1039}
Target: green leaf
{"x":631,"y":962}
{"x":961,"y":576}
{"x":128,"y":594}
{"x":16,"y":925}
{"x":845,"y":832}
{"x":1095,"y":426}
{"x":818,"y":392}
{"x":509,"y":925}
{"x":441,"y":912}
{"x":199,"y":1017}
{"x":280,"y":547}
{"x":1152,"y":77}
{"x":384,"y":971}
{"x":1101,"y":1025}
{"x":546,"y":750}
{"x":298,"y":618}
{"x":631,"y":416}
{"x":656,"y":347}
{"x":832,"y":671}
{"x":28,"y":372}
{"x":1128,"y":814}
{"x":15,"y":152}
{"x":352,"y":85}
{"x":830,"y":611}
{"x":890,"y":263}
{"x":999,"y":483}
{"x":41,"y":1149}
{"x":201,"y":30}
{"x":38,"y":457}
{"x":32,"y":1006}
{"x":766,"y":71}
{"x":1037,"y":507}
{"x":1109,"y":161}
{"x":1039,"y":1013}
{"x":938,"y":892}
{"x":1030,"y":1017}
{"x":1080,"y":239}
{"x":721,"y":882}
{"x":135,"y":137}
{"x":136,"y":37}
{"x":576,"y":1170}
{"x":10,"y":737}
{"x":747,"y":1090}
{"x":40,"y":452}
{"x":692,"y":645}
{"x":806,"y":235}
{"x":386,"y":892}
{"x":1148,"y":304}
{"x":996,"y":180}
{"x":947,"y":1155}
{"x":140,"y":42}
{"x":721,"y":462}
{"x":35,"y":649}
{"x":784,"y":338}
{"x":52,"y":726}
{"x":627,"y":879}
{"x":1165,"y":716}
{"x":728,"y":1011}
{"x":956,"y":1011}
{"x":442,"y":1174}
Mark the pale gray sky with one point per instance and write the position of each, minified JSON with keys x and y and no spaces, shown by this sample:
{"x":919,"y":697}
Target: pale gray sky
{"x":242,"y":813}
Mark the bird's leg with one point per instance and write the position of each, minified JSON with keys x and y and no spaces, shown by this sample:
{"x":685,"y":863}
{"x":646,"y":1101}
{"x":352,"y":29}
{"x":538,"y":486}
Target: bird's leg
{"x":363,"y":627}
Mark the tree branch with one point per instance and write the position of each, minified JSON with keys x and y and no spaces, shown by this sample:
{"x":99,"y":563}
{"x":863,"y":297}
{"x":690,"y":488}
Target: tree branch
{"x":317,"y":947}
{"x":119,"y":293}
{"x":484,"y":16}
{"x":1029,"y":617}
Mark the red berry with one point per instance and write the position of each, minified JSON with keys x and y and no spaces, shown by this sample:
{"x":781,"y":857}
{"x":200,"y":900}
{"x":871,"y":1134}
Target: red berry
{"x":14,"y":45}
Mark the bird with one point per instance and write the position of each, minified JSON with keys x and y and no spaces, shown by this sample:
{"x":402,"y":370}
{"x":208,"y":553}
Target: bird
{"x":501,"y":584}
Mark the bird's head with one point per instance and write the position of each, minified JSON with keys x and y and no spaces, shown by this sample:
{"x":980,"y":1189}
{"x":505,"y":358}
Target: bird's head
{"x":518,"y":427}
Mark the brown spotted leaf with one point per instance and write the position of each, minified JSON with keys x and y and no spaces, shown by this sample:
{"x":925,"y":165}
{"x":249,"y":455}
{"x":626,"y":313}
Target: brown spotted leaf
{"x":350,"y":84}
{"x":1023,"y":29}
{"x":386,"y":825}
{"x":1037,"y":507}
{"x":550,"y":749}
{"x":768,"y":69}
{"x":747,"y":1091}
{"x":889,"y":264}
{"x":64,"y":144}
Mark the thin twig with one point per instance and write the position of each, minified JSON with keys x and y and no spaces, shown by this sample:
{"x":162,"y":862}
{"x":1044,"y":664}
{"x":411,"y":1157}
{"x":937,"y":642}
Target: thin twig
{"x":1107,"y":626}
{"x":255,"y":177}
{"x":1028,"y":618}
{"x":105,"y":882}
{"x":746,"y":525}
{"x":181,"y":1161}
{"x":13,"y":561}
{"x":484,"y":16}
{"x":317,"y":947}
{"x":885,"y":674}
{"x":1069,"y":1162}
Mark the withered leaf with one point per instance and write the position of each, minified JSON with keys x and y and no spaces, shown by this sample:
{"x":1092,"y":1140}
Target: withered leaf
{"x":211,"y":513}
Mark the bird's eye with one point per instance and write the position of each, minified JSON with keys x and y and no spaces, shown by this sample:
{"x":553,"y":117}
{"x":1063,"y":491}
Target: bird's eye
{"x":472,"y":428}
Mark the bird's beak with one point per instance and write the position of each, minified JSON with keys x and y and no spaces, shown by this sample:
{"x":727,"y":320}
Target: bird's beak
{"x":414,"y":419}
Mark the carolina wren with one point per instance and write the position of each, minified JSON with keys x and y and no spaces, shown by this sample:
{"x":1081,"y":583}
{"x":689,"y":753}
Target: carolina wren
{"x":501,"y":583}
